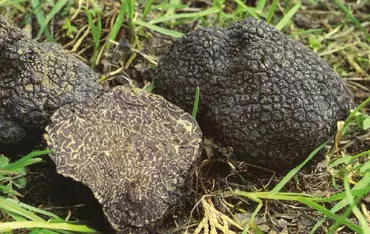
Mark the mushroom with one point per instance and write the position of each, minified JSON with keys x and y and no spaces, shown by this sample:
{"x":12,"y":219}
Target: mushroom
{"x":36,"y":79}
{"x":133,"y":149}
{"x":269,"y":97}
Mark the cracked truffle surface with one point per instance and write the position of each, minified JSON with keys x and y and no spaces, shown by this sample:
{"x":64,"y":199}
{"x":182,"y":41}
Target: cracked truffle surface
{"x":35,"y":79}
{"x":133,"y":149}
{"x":269,"y":97}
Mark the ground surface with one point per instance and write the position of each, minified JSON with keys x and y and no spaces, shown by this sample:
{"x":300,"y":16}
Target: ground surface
{"x":322,"y":26}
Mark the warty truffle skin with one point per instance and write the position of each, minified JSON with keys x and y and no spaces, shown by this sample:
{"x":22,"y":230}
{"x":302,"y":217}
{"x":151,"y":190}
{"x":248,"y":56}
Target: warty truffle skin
{"x":269,"y":97}
{"x":36,"y":79}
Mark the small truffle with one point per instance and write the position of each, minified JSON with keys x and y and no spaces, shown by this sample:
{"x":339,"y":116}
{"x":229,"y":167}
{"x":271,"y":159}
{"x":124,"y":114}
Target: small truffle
{"x":35,"y":79}
{"x":269,"y":97}
{"x":133,"y":149}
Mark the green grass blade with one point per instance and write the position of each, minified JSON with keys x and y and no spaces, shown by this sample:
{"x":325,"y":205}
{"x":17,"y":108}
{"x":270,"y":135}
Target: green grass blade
{"x":285,"y":20}
{"x":149,"y":88}
{"x":10,"y":206}
{"x":301,"y":199}
{"x":42,"y":231}
{"x":292,"y":172}
{"x":196,"y":103}
{"x":354,"y":20}
{"x":247,"y":9}
{"x":166,"y":6}
{"x":5,"y":3}
{"x":218,"y":3}
{"x":271,"y":10}
{"x":260,"y":5}
{"x":147,"y":8}
{"x":253,"y":216}
{"x":193,"y":15}
{"x":118,"y":22}
{"x":360,"y":217}
{"x":16,"y":217}
{"x":40,"y":17}
{"x":333,"y":228}
{"x":341,"y":196}
{"x":8,"y":226}
{"x":171,"y":10}
{"x":364,"y":182}
{"x":164,"y":31}
{"x":21,"y":211}
{"x":98,"y":32}
{"x":26,"y":160}
{"x":95,"y":29}
{"x":362,"y":185}
{"x":57,"y":8}
{"x":27,"y":163}
{"x":328,"y":213}
{"x":8,"y":190}
{"x":358,"y":108}
{"x":131,"y":21}
{"x":35,"y":210}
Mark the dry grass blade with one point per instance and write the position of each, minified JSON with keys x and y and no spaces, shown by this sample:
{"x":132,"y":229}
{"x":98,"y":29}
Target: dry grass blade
{"x":215,"y":221}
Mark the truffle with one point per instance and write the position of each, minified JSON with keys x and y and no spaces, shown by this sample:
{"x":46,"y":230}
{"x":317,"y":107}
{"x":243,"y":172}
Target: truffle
{"x":35,"y":79}
{"x":269,"y":97}
{"x":133,"y":149}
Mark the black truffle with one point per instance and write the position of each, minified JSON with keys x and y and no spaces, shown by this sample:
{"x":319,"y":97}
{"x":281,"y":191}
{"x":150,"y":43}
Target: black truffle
{"x":269,"y":97}
{"x":133,"y":149}
{"x":36,"y":79}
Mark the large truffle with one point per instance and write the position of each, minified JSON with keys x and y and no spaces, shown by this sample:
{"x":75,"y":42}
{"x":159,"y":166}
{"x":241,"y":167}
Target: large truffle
{"x":133,"y":149}
{"x":35,"y":79}
{"x":269,"y":97}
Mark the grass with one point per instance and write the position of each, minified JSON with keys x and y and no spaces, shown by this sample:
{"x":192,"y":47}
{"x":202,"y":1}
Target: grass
{"x":23,"y":216}
{"x":196,"y":103}
{"x":117,"y":23}
{"x":345,"y":200}
{"x":352,"y":18}
{"x":43,"y":23}
{"x":95,"y":34}
{"x":95,"y":31}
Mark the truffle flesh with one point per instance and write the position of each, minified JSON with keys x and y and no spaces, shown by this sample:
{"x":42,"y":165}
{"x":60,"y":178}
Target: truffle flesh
{"x":133,"y":149}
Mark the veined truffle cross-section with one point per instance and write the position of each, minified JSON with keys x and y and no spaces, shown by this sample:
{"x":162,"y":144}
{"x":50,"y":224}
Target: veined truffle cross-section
{"x":133,"y":149}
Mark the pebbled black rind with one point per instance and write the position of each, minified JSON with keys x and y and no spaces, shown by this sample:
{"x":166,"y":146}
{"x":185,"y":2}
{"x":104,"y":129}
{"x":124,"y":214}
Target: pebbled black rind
{"x":269,"y":97}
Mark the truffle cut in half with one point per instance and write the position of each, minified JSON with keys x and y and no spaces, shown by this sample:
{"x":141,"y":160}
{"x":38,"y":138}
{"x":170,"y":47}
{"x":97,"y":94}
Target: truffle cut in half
{"x":269,"y":97}
{"x":133,"y":149}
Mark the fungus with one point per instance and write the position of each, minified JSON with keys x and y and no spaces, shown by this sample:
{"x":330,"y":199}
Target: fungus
{"x":35,"y":79}
{"x":269,"y":97}
{"x":133,"y":149}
